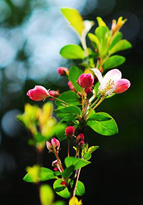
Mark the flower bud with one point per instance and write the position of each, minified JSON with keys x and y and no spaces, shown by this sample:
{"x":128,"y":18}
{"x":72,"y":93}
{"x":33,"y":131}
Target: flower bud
{"x":63,"y":71}
{"x":88,"y":91}
{"x":38,"y":93}
{"x":64,"y":183}
{"x":86,"y":80}
{"x":55,"y":169}
{"x":122,"y":85}
{"x":69,"y":131}
{"x":80,"y":137}
{"x":49,"y":146}
{"x":54,"y":93}
{"x":55,"y":144}
{"x":71,"y":86}
{"x":81,"y":144}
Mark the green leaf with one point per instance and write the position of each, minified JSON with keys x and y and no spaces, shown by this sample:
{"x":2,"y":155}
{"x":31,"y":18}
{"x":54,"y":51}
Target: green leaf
{"x":87,"y":156}
{"x":121,"y":45}
{"x":101,"y":22}
{"x":68,"y":172}
{"x":80,"y":189}
{"x":100,"y":116}
{"x":76,"y":162}
{"x":74,"y":74}
{"x":96,"y":88}
{"x":92,"y":149}
{"x":46,"y":195}
{"x":59,"y":203}
{"x":94,"y":39}
{"x":69,"y":97}
{"x":113,"y":61}
{"x":72,"y":110}
{"x":101,"y":32}
{"x":72,"y":52}
{"x":46,"y":174}
{"x":61,"y":190}
{"x":43,"y":174}
{"x":69,"y":118}
{"x":74,"y":18}
{"x":61,"y":135}
{"x":116,"y":38}
{"x":105,"y":127}
{"x":59,"y":128}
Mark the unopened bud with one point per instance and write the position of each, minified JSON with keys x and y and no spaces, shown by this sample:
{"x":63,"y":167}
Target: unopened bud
{"x":86,"y":80}
{"x":80,"y":138}
{"x":38,"y":93}
{"x":69,"y":131}
{"x":55,"y":144}
{"x":54,"y":93}
{"x":63,"y":71}
{"x":81,"y":143}
{"x":71,"y":86}
{"x":64,"y":183}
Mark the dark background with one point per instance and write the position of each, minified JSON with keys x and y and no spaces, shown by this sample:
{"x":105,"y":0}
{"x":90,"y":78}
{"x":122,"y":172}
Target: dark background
{"x":31,"y":35}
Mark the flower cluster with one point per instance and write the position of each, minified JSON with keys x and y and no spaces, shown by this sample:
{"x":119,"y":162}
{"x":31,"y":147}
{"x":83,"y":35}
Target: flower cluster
{"x":90,"y":84}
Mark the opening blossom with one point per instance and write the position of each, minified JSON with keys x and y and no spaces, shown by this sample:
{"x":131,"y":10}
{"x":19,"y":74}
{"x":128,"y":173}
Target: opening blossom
{"x":38,"y":93}
{"x":53,"y":145}
{"x":112,"y":82}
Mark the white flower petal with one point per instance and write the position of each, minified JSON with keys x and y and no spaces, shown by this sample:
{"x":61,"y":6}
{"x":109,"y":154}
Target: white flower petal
{"x":113,"y":75}
{"x":98,"y":74}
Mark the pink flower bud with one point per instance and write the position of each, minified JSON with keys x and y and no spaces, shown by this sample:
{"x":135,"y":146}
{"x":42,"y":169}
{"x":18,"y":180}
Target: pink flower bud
{"x":63,"y":71}
{"x":49,"y":146}
{"x":86,"y":80}
{"x":122,"y":85}
{"x":56,"y":169}
{"x":69,"y":131}
{"x":55,"y":144}
{"x":38,"y":93}
{"x":81,"y":143}
{"x":88,"y":91}
{"x":80,"y":137}
{"x":64,"y":183}
{"x":71,"y":86}
{"x":54,"y":93}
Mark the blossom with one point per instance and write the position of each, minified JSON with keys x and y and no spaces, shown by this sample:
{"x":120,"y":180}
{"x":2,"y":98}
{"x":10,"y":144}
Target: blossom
{"x":38,"y":93}
{"x":63,"y":71}
{"x":86,"y":80}
{"x":69,"y":131}
{"x":54,"y":145}
{"x":112,"y":82}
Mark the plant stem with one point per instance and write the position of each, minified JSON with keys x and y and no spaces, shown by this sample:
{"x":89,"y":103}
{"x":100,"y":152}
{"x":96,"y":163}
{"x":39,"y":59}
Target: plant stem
{"x":100,"y":101}
{"x":65,"y":103}
{"x":77,"y":178}
{"x":68,"y":153}
{"x":59,"y":162}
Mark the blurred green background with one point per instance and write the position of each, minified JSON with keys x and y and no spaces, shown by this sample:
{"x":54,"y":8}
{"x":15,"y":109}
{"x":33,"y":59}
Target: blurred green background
{"x":31,"y":35}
